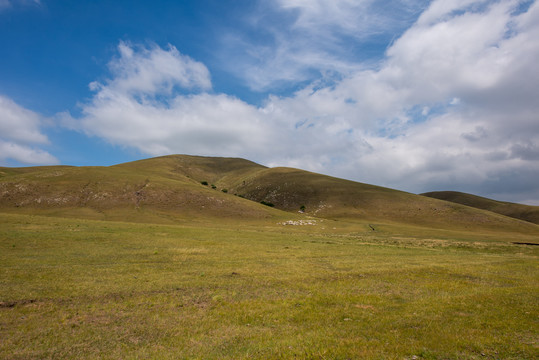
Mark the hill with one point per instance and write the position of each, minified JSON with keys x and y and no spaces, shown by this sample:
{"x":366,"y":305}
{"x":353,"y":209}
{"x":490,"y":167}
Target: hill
{"x":169,"y":188}
{"x":517,"y":211}
{"x":328,"y":197}
{"x":154,"y":190}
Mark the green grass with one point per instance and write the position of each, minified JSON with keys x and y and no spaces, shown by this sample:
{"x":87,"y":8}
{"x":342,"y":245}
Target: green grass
{"x":221,"y":289}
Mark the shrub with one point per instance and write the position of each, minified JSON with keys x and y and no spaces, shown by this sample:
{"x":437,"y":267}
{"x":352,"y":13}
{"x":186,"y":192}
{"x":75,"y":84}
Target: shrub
{"x":204,"y":183}
{"x":267,"y":203}
{"x":224,"y":190}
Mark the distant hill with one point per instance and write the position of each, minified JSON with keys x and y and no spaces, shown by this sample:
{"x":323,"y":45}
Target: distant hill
{"x":517,"y":211}
{"x":167,"y":188}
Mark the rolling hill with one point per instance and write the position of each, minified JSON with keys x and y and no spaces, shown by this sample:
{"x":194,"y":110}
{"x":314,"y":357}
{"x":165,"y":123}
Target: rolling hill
{"x":161,"y":189}
{"x":173,"y":187}
{"x":517,"y":211}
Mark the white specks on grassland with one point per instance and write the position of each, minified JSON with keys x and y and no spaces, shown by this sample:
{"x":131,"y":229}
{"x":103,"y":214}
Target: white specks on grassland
{"x":299,"y":222}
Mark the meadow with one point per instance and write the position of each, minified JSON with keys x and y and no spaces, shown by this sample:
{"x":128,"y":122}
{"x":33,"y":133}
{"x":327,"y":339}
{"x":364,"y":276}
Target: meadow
{"x":258,"y":289}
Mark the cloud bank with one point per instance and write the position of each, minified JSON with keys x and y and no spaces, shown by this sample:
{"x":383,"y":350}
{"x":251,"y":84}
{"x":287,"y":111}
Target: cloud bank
{"x":21,"y":136}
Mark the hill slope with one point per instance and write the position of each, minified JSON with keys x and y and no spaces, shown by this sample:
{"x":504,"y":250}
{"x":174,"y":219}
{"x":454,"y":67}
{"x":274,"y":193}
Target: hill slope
{"x":150,"y":190}
{"x":328,"y":197}
{"x":517,"y":211}
{"x":172,"y":187}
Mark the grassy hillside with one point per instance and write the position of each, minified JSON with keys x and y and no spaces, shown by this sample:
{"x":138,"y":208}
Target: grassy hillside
{"x":214,"y":170}
{"x":174,"y":187}
{"x":517,"y":211}
{"x":161,"y":190}
{"x":329,"y":197}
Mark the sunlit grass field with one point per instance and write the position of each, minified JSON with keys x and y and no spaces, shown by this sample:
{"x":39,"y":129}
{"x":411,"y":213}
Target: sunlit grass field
{"x":261,"y":290}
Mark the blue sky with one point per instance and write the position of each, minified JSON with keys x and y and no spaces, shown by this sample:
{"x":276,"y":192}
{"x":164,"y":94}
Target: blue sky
{"x":413,"y":95}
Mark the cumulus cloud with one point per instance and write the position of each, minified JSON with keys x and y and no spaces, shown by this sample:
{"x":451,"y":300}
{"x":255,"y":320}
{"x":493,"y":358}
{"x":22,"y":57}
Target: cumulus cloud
{"x":140,"y":71}
{"x":451,"y":106}
{"x":25,"y":154}
{"x":142,"y":106}
{"x":19,"y":124}
{"x":485,"y":59}
{"x":19,"y":134}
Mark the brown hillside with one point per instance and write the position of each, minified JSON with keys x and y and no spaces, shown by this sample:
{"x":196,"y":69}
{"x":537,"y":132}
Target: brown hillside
{"x":329,"y":197}
{"x":171,"y":187}
{"x":517,"y":211}
{"x":151,"y":189}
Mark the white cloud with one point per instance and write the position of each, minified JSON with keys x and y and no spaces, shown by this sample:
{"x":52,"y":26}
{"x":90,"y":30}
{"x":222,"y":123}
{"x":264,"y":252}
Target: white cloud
{"x":452,"y":105}
{"x":467,"y":56}
{"x":472,"y":65}
{"x":303,"y":39}
{"x":25,"y":154}
{"x":200,"y":124}
{"x":153,"y":71}
{"x":19,"y":132}
{"x":125,"y":110}
{"x":462,"y":53}
{"x":357,"y":18}
{"x":19,"y":124}
{"x":443,"y":10}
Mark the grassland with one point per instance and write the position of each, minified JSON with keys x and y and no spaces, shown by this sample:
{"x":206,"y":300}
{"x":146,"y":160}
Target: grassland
{"x":221,"y":289}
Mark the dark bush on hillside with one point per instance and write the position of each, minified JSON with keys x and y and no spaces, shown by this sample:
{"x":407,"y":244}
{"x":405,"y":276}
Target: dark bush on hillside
{"x":213,"y":186}
{"x":204,"y":183}
{"x":224,"y":190}
{"x":267,"y":203}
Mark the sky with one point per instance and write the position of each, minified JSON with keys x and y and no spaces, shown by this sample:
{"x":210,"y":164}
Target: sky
{"x":414,"y":95}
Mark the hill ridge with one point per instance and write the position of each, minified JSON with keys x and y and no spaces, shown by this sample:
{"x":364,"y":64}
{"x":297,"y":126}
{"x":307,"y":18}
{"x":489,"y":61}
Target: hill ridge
{"x":514,"y":210}
{"x":189,"y":187}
